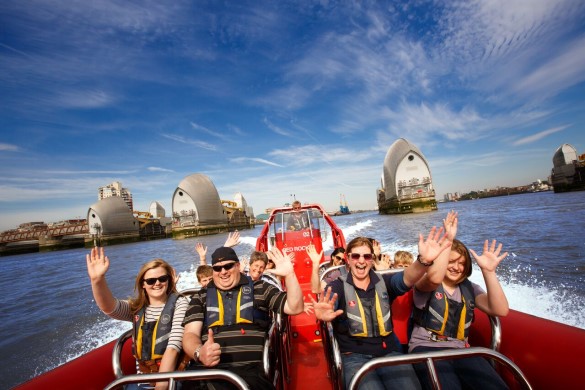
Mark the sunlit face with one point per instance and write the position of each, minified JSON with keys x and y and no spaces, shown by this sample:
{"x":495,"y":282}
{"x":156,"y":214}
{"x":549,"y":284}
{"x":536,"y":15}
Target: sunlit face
{"x":455,"y":267}
{"x":338,"y":259}
{"x":226,"y":279}
{"x":257,"y":269}
{"x":360,"y":268}
{"x":158,"y":290}
{"x":205,"y":280}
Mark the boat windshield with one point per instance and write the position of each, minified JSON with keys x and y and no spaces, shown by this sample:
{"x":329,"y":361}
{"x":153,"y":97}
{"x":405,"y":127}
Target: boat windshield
{"x":308,"y":223}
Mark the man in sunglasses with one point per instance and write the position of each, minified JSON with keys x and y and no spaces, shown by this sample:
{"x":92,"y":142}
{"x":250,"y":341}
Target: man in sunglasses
{"x":227,"y":322}
{"x":298,"y":219}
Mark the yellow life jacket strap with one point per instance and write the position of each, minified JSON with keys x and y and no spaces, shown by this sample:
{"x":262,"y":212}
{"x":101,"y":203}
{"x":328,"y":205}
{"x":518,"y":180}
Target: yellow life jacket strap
{"x":220,"y":320}
{"x":139,"y":339}
{"x":461,"y":326}
{"x":380,"y":318}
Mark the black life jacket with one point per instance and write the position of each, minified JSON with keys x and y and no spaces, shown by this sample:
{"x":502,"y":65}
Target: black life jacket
{"x":144,"y":333}
{"x":368,"y":317}
{"x":223,"y":310}
{"x":446,"y":317}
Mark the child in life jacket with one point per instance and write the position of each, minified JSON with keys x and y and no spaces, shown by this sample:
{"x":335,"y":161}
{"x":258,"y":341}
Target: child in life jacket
{"x":443,"y":312}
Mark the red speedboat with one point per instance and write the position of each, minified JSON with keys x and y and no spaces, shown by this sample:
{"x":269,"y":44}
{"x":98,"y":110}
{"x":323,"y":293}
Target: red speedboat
{"x":529,"y":352}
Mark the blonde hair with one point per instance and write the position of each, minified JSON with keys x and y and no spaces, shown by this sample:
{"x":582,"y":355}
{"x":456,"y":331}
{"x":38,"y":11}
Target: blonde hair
{"x":403,"y":258}
{"x":140,"y":298}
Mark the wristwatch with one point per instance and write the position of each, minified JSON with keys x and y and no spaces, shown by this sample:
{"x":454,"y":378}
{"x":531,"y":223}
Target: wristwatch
{"x":196,"y":354}
{"x":419,"y":259}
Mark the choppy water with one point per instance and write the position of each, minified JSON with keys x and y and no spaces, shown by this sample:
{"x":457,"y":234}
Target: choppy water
{"x":49,"y":316}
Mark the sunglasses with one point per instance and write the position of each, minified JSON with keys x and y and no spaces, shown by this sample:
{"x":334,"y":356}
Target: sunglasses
{"x":356,"y":256}
{"x":340,"y":258}
{"x":227,"y":267}
{"x":162,"y":279}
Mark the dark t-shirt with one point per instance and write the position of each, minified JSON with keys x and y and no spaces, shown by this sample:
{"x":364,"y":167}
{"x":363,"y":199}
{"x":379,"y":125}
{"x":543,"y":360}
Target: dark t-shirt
{"x":375,"y":346}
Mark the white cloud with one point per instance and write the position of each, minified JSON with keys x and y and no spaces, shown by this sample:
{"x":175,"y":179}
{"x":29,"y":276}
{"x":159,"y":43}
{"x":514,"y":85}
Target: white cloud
{"x":8,"y":148}
{"x":539,"y":135}
{"x":210,"y":132}
{"x":159,"y":169}
{"x":276,"y":129}
{"x":254,"y":159}
{"x":183,"y":140}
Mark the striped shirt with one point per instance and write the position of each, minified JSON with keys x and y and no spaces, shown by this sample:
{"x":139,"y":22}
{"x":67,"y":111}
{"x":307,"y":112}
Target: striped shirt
{"x":152,"y":313}
{"x":241,"y":344}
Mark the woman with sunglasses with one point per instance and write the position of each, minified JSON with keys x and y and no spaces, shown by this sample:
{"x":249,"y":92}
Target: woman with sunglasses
{"x":156,"y":312}
{"x":358,"y":305}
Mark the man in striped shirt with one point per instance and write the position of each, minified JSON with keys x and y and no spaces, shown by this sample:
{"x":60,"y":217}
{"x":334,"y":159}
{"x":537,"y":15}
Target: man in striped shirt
{"x":221,"y":334}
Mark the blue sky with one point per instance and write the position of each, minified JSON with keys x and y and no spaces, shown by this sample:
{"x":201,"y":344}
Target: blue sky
{"x":273,"y":98}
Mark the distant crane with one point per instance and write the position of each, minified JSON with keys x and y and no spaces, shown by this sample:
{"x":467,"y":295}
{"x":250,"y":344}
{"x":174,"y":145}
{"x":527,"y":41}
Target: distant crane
{"x":343,"y":209}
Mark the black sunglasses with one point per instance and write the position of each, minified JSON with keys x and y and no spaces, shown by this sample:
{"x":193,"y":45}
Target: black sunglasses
{"x":162,"y":279}
{"x":227,"y":267}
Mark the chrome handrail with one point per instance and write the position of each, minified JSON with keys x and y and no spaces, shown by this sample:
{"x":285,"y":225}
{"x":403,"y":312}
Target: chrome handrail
{"x":496,"y":326}
{"x":266,"y":351}
{"x":429,"y":357}
{"x":336,"y":362}
{"x":117,"y":352}
{"x":329,"y":270}
{"x":173,"y":376}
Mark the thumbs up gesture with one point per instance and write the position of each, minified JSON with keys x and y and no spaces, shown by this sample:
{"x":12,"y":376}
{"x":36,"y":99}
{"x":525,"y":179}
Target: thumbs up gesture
{"x":210,"y":351}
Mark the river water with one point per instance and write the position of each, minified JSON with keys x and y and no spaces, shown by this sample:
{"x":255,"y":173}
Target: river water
{"x":49,"y":316}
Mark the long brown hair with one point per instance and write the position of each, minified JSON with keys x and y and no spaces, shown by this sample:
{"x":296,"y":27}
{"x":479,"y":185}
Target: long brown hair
{"x":140,"y":298}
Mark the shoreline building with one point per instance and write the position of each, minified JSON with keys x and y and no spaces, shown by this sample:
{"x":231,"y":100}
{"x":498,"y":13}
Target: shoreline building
{"x":568,"y":173}
{"x":110,"y":221}
{"x":198,"y":209}
{"x":116,"y":189}
{"x":406,"y":183}
{"x":241,"y":203}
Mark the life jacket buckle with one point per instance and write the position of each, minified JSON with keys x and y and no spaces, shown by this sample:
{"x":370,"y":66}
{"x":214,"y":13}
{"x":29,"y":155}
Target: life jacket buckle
{"x":438,"y":337}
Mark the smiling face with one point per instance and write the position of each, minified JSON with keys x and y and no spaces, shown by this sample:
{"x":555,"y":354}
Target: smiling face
{"x":456,"y":268}
{"x":158,"y":291}
{"x":226,"y":279}
{"x":360,"y":267}
{"x":205,"y":281}
{"x":257,"y":269}
{"x":338,"y":259}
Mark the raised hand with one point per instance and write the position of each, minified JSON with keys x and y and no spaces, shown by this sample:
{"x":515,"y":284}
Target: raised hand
{"x":201,"y":250}
{"x":282,"y":263}
{"x":324,"y":309}
{"x":383,"y":262}
{"x":490,"y":258}
{"x":210,"y":352}
{"x":233,"y":239}
{"x":450,"y":225}
{"x":308,"y":307}
{"x":97,"y":263}
{"x":314,"y":255}
{"x":377,"y":248}
{"x":435,"y":243}
{"x":245,"y":263}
